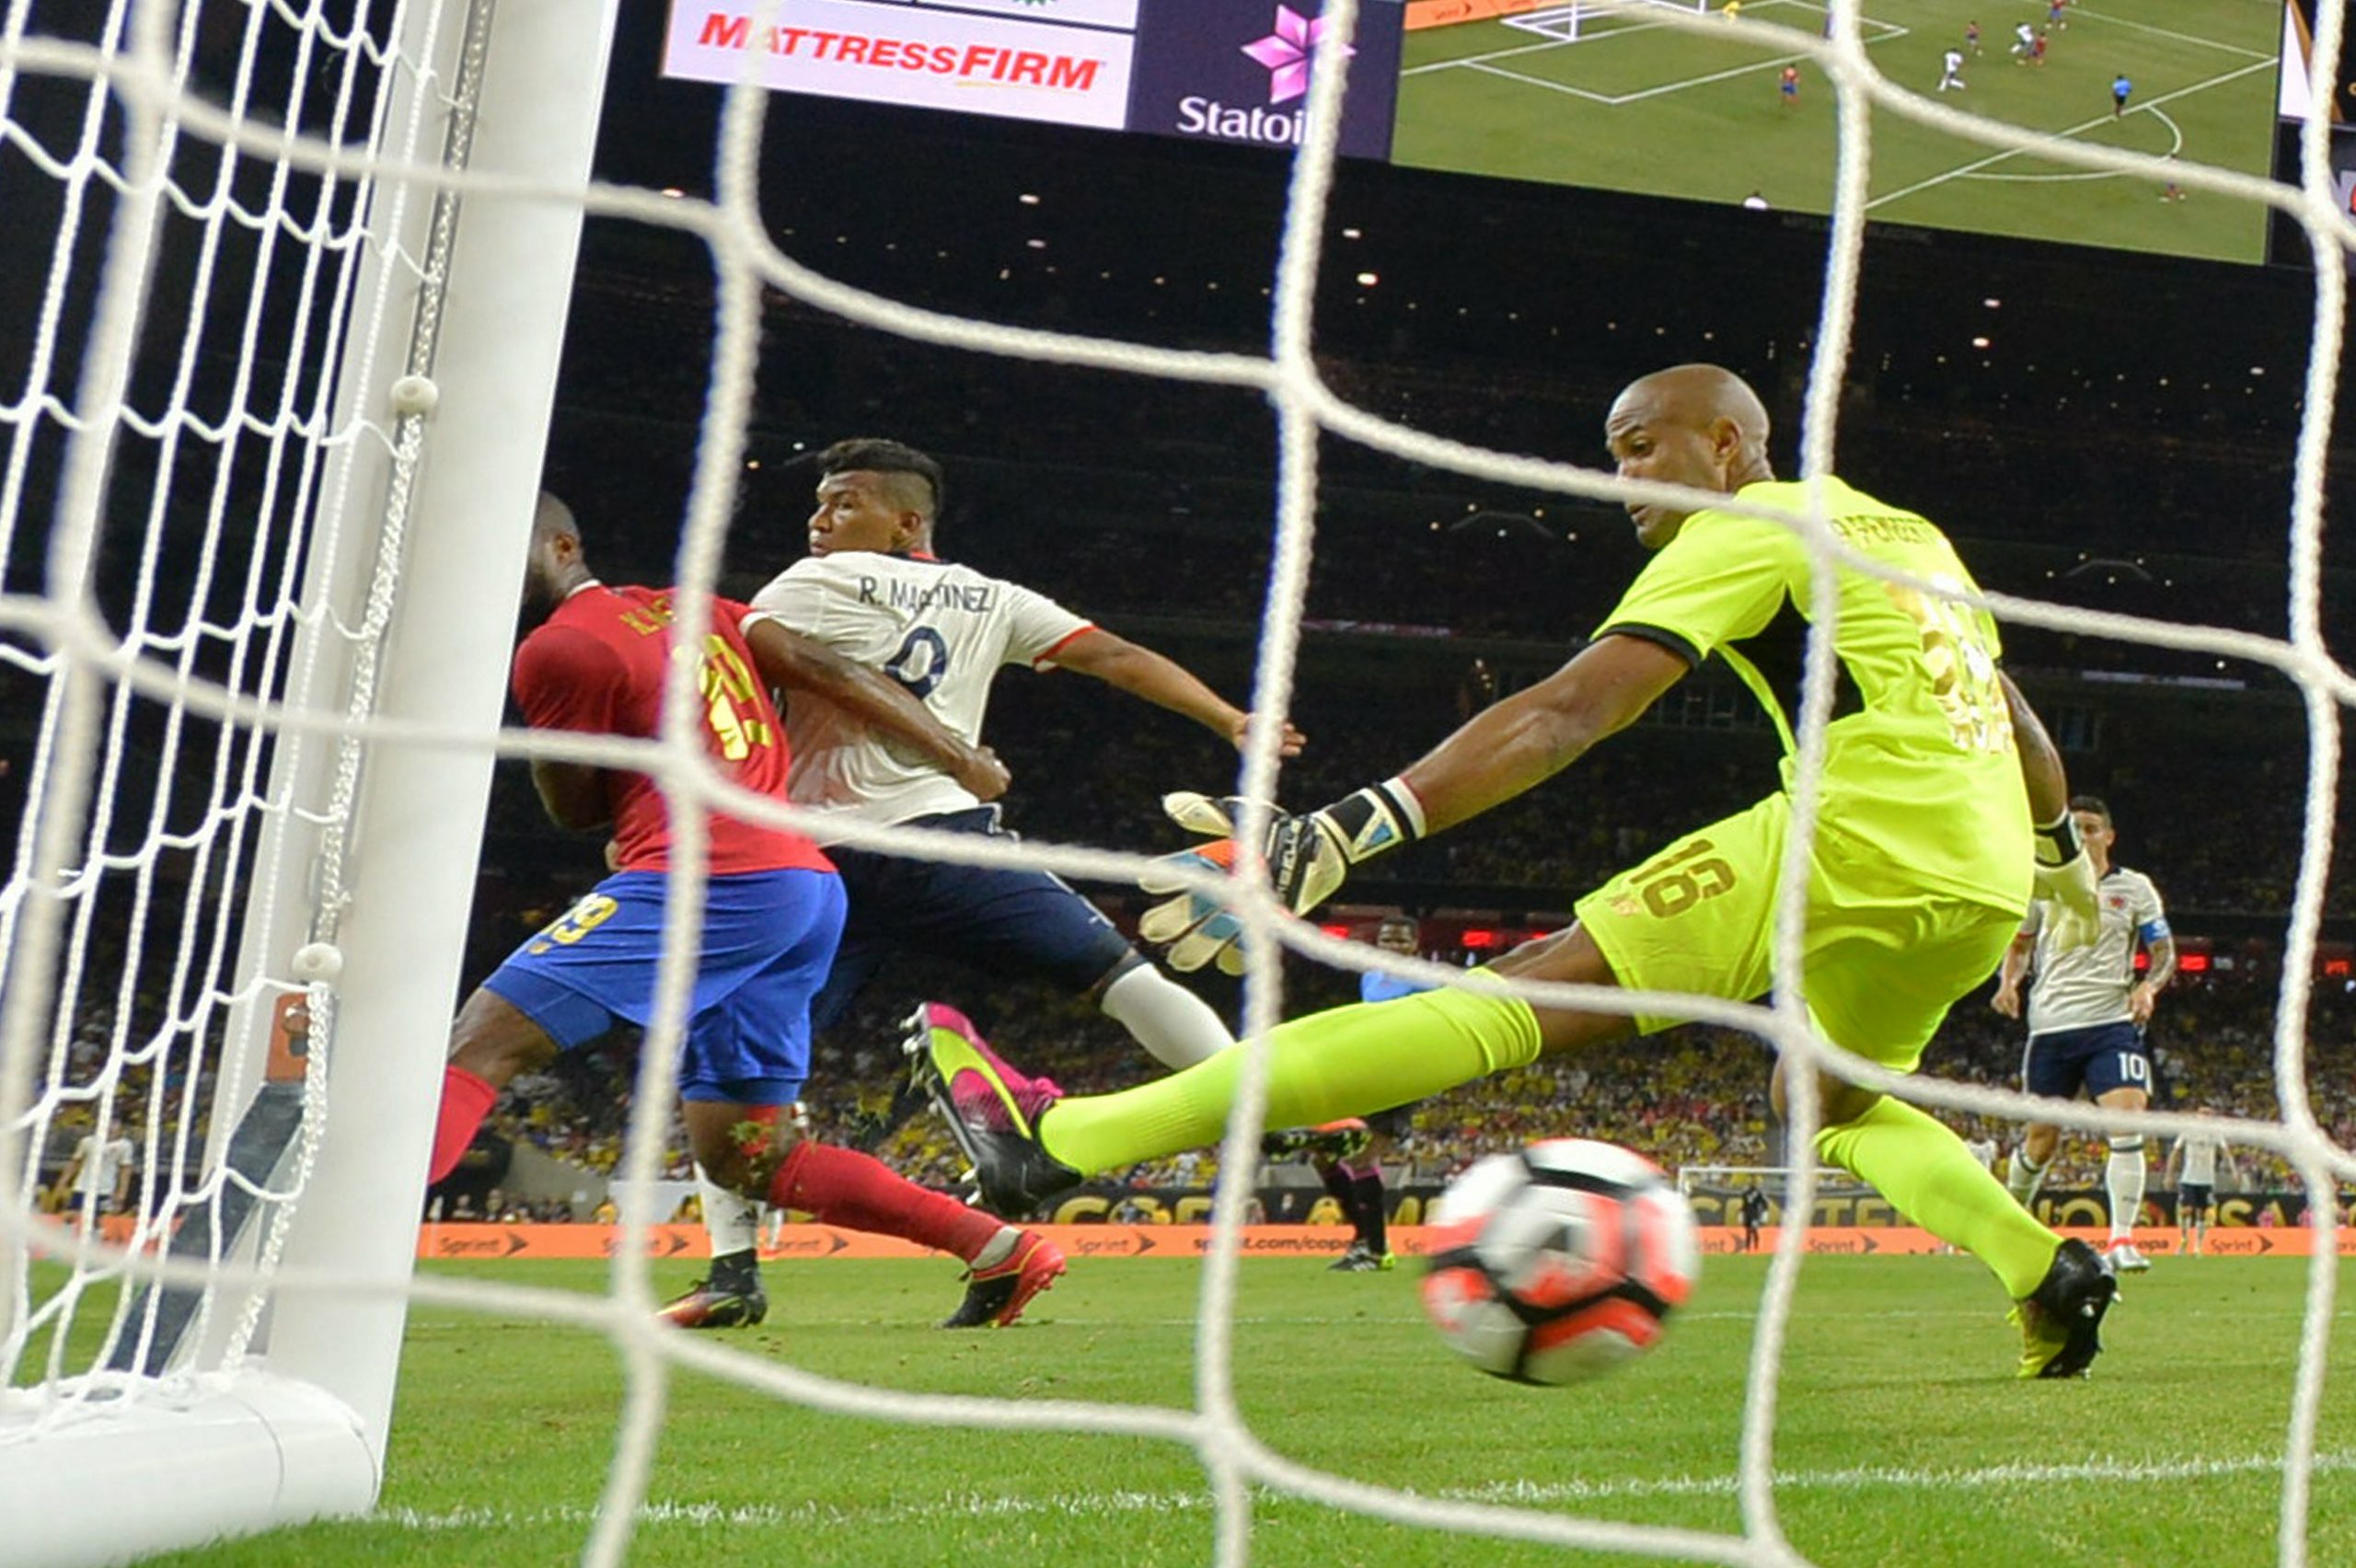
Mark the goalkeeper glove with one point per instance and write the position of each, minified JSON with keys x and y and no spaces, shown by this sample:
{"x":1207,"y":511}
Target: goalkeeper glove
{"x":1307,"y":855}
{"x":2065,"y":879}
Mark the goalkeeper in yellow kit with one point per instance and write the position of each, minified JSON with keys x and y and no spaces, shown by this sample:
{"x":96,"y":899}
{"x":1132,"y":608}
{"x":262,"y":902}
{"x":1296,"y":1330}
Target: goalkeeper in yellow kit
{"x":1924,"y":855}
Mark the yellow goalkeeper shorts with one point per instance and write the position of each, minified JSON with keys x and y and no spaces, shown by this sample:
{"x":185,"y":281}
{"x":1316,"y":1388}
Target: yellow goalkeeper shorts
{"x":1881,"y":961}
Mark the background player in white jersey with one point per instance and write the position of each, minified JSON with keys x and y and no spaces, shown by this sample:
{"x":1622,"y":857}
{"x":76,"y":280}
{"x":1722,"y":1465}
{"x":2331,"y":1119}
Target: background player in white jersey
{"x":2086,"y":1013}
{"x":96,"y":1181}
{"x":2192,"y":1167}
{"x":872,"y":589}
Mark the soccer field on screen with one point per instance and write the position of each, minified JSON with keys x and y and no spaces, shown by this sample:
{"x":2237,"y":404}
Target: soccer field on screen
{"x":1639,"y":103}
{"x":1901,"y":1437}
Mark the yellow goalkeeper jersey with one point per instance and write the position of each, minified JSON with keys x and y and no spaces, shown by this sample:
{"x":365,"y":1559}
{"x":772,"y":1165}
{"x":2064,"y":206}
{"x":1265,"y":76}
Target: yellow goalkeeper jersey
{"x":1920,"y":763}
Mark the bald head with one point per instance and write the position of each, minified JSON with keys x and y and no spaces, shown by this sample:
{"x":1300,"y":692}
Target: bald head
{"x":1691,"y":424}
{"x":1700,"y":394}
{"x":551,"y":517}
{"x":554,"y":565}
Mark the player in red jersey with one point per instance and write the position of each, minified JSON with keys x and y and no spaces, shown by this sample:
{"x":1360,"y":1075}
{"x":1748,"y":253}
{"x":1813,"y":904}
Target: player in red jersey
{"x":773,"y":909}
{"x":1789,"y":86}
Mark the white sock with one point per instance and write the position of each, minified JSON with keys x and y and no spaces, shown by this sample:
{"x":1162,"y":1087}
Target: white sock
{"x":2124,"y":1177}
{"x":2023,"y":1177}
{"x":996,"y":1249}
{"x":1177,"y":1026}
{"x":733,"y":1220}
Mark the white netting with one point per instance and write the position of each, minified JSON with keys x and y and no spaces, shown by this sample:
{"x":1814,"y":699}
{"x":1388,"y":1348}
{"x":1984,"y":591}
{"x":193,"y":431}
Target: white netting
{"x":1586,"y":18}
{"x":179,"y":486}
{"x":1775,"y":1179}
{"x":53,"y":899}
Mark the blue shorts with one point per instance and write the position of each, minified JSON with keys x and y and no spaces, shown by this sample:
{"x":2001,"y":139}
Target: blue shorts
{"x":2098,"y":1059}
{"x":1002,"y":920}
{"x":768,"y":939}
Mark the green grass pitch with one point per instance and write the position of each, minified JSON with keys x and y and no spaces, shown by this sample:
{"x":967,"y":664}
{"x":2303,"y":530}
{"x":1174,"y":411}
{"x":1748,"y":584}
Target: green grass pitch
{"x":1640,"y":105}
{"x":1903,"y":1437}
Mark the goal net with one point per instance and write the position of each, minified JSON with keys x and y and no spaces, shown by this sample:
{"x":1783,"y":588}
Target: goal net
{"x":275,"y":404}
{"x":1588,"y":19}
{"x":1775,"y":1180}
{"x":251,"y":283}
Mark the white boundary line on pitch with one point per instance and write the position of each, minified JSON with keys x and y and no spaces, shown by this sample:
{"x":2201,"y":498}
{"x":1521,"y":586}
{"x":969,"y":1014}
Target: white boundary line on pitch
{"x":1481,"y":62}
{"x":2180,"y":37}
{"x":1612,"y":101}
{"x":1722,"y":1315}
{"x":1969,"y":170}
{"x":2175,"y":147}
{"x":1548,"y":40}
{"x":1124,"y":1501}
{"x":1564,"y":87}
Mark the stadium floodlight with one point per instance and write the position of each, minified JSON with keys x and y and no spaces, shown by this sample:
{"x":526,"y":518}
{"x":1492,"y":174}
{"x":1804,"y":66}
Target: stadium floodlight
{"x":299,"y":339}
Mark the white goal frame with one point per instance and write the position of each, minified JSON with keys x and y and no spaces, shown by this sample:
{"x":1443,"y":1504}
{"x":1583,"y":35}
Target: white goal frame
{"x":1776,"y":1179}
{"x":1566,"y":23}
{"x":468,"y":289}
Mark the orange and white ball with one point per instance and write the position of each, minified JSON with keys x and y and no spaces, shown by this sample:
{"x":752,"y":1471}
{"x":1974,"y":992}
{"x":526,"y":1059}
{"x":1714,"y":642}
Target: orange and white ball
{"x":1559,"y":1262}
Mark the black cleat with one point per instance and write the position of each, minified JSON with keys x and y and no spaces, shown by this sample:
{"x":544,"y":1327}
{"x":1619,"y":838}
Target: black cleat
{"x":1345,"y":1139}
{"x":992,"y":1110}
{"x":2061,"y":1322}
{"x":995,"y":1297}
{"x":705,"y":1306}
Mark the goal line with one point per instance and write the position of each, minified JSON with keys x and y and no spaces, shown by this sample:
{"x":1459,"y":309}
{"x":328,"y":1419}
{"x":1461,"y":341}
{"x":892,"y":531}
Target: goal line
{"x":301,"y":375}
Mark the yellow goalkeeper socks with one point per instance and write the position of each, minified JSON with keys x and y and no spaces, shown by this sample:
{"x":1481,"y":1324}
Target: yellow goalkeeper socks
{"x":1928,"y":1176}
{"x":1342,"y":1063}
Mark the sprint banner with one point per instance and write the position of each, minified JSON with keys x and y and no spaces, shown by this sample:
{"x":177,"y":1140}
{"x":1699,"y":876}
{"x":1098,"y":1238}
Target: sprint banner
{"x":503,"y":1243}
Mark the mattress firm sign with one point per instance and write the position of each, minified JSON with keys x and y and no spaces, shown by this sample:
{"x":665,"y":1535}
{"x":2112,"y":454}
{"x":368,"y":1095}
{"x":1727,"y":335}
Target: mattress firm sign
{"x":1206,"y":70}
{"x":1063,"y":60}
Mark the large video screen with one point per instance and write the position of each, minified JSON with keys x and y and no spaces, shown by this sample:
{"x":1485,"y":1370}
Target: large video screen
{"x":2287,"y":242}
{"x":1613,"y":93}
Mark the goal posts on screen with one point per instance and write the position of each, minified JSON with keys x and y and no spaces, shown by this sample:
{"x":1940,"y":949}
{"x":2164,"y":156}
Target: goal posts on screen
{"x":1590,"y":18}
{"x":1775,"y":1180}
{"x":283,"y":371}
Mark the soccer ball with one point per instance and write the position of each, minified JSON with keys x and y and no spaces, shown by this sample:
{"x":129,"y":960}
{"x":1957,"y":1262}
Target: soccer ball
{"x":1559,"y":1262}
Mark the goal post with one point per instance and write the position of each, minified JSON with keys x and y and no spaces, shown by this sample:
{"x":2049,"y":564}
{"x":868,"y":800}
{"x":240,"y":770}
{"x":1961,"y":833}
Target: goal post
{"x":1578,"y":19}
{"x":419,"y":829}
{"x":1774,"y":1179}
{"x":404,"y":535}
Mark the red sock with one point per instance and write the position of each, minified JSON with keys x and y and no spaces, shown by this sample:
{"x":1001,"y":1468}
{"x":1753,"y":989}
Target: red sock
{"x":467,"y":1098}
{"x":842,"y":1187}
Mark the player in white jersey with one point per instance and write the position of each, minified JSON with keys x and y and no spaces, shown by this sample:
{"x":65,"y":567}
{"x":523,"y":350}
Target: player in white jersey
{"x":96,"y":1181}
{"x":1951,"y":70}
{"x":2086,"y":1013}
{"x":872,"y":589}
{"x":2192,"y":1166}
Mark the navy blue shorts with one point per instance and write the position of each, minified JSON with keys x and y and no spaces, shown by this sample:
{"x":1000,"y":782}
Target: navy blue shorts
{"x":768,"y":939}
{"x":1009,"y":922}
{"x":2098,"y":1059}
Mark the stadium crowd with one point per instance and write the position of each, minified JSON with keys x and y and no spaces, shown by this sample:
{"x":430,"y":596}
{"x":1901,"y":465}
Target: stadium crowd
{"x":1694,"y":1096}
